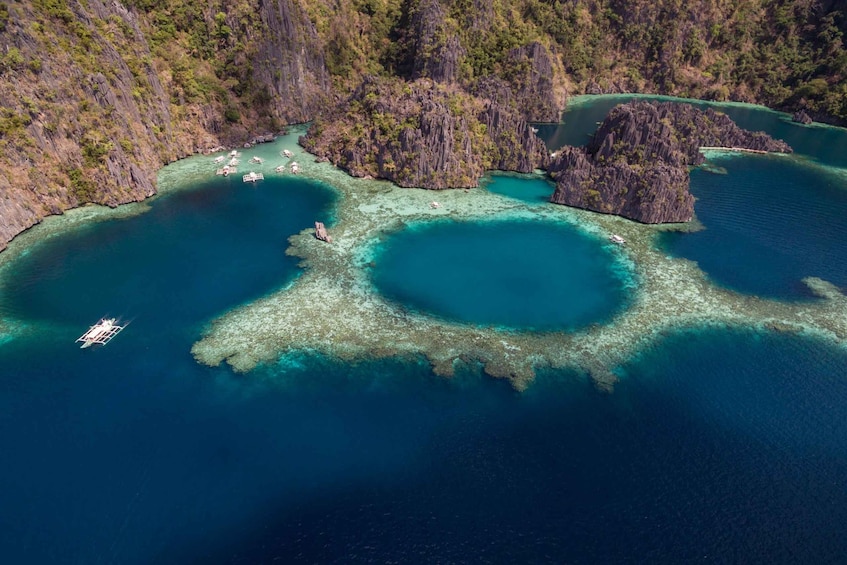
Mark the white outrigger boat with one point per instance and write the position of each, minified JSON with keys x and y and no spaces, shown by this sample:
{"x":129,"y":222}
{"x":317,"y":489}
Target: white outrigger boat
{"x":100,"y":333}
{"x":615,"y":238}
{"x":253,"y":177}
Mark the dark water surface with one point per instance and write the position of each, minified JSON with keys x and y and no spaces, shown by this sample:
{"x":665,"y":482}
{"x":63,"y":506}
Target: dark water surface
{"x":770,"y":222}
{"x":717,"y":446}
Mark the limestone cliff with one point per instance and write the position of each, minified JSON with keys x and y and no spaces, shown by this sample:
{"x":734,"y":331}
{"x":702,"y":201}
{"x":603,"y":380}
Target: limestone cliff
{"x":424,"y":134}
{"x":636,"y":165}
{"x":531,"y":77}
{"x":289,"y":62}
{"x":440,"y":41}
{"x":436,"y":49}
{"x":96,"y":95}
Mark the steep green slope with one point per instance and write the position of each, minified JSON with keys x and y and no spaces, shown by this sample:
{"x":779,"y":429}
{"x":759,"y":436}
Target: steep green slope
{"x":95,"y":95}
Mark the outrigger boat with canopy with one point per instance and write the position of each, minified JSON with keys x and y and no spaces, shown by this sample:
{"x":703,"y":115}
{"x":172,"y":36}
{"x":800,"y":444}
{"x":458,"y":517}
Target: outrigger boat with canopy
{"x":101,"y":333}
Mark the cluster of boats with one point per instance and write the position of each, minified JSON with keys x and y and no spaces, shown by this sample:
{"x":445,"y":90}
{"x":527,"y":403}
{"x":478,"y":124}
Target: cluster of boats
{"x":230,"y":167}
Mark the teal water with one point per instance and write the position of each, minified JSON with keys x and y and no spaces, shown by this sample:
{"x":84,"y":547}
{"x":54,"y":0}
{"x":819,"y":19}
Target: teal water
{"x":529,"y":190}
{"x":718,"y":446}
{"x":516,"y":274}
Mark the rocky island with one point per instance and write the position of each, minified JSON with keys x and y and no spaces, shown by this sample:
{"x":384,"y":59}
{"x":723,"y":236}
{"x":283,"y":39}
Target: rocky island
{"x":424,"y":134}
{"x":636,"y":165}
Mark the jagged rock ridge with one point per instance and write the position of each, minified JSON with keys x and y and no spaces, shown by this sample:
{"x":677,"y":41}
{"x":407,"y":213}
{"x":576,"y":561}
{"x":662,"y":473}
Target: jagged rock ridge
{"x":423,"y":134}
{"x":636,"y":165}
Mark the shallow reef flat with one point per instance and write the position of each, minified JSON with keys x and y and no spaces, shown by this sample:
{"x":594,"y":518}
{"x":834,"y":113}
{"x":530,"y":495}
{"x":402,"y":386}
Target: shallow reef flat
{"x":6,"y":332}
{"x":333,"y":308}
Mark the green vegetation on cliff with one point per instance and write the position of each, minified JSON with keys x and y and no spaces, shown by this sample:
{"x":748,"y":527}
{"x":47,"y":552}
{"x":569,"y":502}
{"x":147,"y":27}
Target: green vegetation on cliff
{"x":782,"y":53}
{"x":96,"y":94}
{"x":423,"y":134}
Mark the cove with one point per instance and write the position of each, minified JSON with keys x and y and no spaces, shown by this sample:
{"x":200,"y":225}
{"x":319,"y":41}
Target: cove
{"x":195,"y":253}
{"x":515,"y":274}
{"x":716,"y":445}
{"x":529,"y":190}
{"x":769,"y":222}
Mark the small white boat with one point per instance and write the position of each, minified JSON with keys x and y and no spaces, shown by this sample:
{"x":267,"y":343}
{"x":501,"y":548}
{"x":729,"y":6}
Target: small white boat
{"x":253,"y":177}
{"x":257,"y":160}
{"x":219,"y":159}
{"x":101,"y":333}
{"x":287,"y":153}
{"x":280,"y":169}
{"x":233,"y":153}
{"x":615,"y":238}
{"x":295,"y":168}
{"x":434,"y":205}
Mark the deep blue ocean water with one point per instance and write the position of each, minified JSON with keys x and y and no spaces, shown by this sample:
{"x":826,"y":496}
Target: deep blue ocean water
{"x":521,"y":274}
{"x":716,"y":446}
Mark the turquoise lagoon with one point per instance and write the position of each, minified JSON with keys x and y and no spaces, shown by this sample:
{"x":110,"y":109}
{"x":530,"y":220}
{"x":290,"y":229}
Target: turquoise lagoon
{"x":717,"y":445}
{"x":518,"y":274}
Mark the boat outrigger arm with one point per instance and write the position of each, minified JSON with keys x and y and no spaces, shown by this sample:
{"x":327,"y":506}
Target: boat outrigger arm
{"x":100,"y":333}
